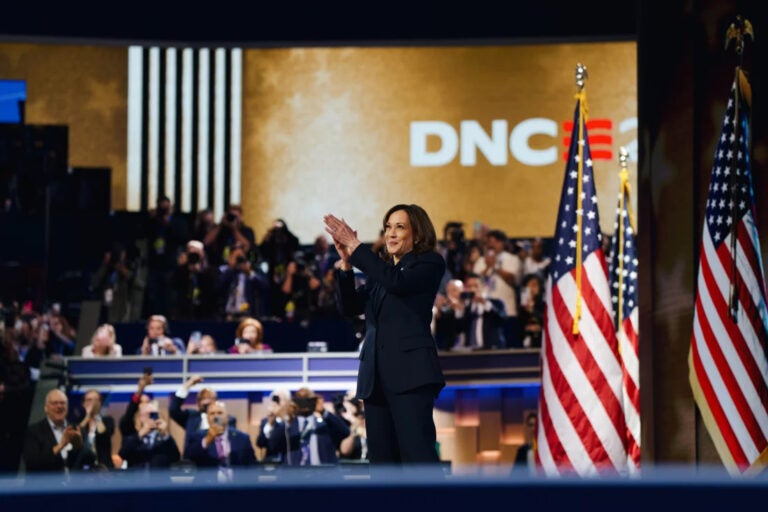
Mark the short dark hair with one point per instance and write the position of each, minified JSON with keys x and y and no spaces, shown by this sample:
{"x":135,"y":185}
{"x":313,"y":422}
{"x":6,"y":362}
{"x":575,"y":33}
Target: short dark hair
{"x":424,"y":236}
{"x":498,"y":235}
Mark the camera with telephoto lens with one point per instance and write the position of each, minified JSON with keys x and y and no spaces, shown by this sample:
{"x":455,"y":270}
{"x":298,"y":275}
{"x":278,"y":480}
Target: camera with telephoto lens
{"x":193,"y":257}
{"x":305,"y":406}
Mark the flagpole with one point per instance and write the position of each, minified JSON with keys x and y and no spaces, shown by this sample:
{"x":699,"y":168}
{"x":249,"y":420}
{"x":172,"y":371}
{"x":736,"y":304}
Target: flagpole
{"x":736,"y":31}
{"x":623,"y":195}
{"x":581,"y":77}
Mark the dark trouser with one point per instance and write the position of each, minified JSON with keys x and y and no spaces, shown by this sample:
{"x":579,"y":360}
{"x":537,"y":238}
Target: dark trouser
{"x":399,"y":426}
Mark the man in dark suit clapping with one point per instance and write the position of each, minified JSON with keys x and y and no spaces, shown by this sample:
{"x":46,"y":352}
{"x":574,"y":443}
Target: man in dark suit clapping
{"x":53,"y":445}
{"x":483,"y":318}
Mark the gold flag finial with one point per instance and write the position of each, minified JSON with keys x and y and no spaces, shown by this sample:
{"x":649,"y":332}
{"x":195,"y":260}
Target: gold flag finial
{"x":623,"y":157}
{"x":581,"y":75}
{"x":737,"y":31}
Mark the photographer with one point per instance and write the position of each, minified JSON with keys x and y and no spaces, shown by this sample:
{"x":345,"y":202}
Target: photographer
{"x":297,"y":289}
{"x":312,"y":435}
{"x":454,"y":248}
{"x":114,"y":283}
{"x":194,"y":285}
{"x":244,"y":290}
{"x":166,"y":233}
{"x":229,"y":231}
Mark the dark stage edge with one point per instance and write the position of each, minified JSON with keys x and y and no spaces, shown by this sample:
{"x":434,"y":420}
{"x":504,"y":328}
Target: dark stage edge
{"x":342,"y":488}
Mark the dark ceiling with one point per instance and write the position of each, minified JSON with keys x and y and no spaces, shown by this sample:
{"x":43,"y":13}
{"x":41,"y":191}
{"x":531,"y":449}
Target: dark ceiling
{"x":323,"y":23}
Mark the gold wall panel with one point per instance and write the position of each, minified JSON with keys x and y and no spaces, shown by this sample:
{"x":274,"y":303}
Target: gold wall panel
{"x":83,"y":87}
{"x":327,"y":130}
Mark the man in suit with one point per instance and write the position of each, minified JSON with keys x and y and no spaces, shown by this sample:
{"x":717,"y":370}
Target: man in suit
{"x":312,"y":435}
{"x":218,"y":445}
{"x":152,"y":446}
{"x":53,"y":445}
{"x":193,"y":420}
{"x":482,"y":318}
{"x":97,"y":429}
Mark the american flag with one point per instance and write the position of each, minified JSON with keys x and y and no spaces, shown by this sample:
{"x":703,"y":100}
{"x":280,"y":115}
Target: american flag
{"x":727,"y":366}
{"x":581,"y":419}
{"x":622,"y":269}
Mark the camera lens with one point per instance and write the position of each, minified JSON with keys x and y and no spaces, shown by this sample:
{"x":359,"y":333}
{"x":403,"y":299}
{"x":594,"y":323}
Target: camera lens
{"x":231,"y":217}
{"x":193,"y":257}
{"x":240,"y":260}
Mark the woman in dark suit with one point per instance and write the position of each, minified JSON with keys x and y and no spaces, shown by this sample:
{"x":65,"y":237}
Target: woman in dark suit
{"x":400,"y":375}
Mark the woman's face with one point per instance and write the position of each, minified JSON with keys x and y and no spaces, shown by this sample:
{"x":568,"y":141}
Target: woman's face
{"x":102,"y":339}
{"x":250,"y":333}
{"x":398,"y":234}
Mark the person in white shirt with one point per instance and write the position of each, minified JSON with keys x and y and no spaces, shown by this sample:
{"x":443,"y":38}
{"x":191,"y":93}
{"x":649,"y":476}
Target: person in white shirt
{"x":502,"y":270}
{"x":103,"y":343}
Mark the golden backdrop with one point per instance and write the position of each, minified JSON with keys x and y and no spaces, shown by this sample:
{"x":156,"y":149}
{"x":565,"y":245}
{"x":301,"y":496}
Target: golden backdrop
{"x":83,"y":87}
{"x":327,"y":130}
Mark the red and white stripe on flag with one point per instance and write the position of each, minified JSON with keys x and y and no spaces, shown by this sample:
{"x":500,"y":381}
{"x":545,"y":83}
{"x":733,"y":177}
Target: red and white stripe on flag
{"x":727,"y":364}
{"x":581,"y":420}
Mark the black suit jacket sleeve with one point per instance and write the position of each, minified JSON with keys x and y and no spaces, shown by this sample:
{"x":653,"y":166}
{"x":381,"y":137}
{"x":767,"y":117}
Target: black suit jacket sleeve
{"x":126,"y":424}
{"x":179,"y":415}
{"x":337,"y":428}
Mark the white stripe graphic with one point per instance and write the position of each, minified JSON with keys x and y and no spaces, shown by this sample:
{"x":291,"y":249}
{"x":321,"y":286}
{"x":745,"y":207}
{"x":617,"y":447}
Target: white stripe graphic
{"x":135,"y":128}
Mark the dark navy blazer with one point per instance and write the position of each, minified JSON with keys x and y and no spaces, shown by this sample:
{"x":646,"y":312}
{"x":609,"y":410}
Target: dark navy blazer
{"x":397,"y":302}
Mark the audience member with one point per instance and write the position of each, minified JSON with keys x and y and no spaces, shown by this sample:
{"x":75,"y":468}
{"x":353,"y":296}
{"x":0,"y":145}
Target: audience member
{"x":537,"y":262}
{"x":532,"y":308}
{"x":277,"y":415}
{"x":297,"y":289}
{"x":96,"y":430}
{"x":355,"y":446}
{"x":220,"y":446}
{"x":525,"y":456}
{"x":249,"y":338}
{"x":312,"y":435}
{"x":482,"y":318}
{"x":229,"y":231}
{"x":166,"y":233}
{"x":103,"y":343}
{"x":445,"y":322}
{"x":243,"y":288}
{"x":61,"y":336}
{"x":204,"y":346}
{"x":193,"y":419}
{"x":454,"y":249}
{"x":52,"y":444}
{"x":502,"y":270}
{"x":278,"y":247}
{"x":194,"y":285}
{"x":127,"y":423}
{"x":152,"y":445}
{"x":114,"y":284}
{"x":204,"y":224}
{"x":157,"y":342}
